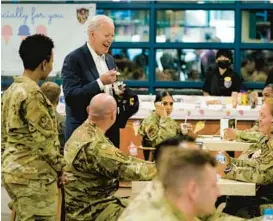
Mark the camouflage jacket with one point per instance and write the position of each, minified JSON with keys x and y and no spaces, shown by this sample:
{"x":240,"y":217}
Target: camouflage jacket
{"x":154,"y":129}
{"x":259,"y":170}
{"x":61,"y":129}
{"x":30,"y":142}
{"x":94,"y":167}
{"x":151,"y":204}
{"x":252,"y":135}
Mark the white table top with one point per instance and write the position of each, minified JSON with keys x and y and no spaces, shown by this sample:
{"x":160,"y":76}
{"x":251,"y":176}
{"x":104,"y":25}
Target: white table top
{"x":227,"y":187}
{"x":215,"y":144}
{"x":192,"y":108}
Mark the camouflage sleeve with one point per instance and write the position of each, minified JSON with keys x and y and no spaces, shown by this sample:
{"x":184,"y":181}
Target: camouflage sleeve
{"x":248,"y":136}
{"x":157,"y":131}
{"x":61,"y":131}
{"x":259,"y":170}
{"x":251,"y":135}
{"x":43,"y":130}
{"x":256,"y":127}
{"x":114,"y":163}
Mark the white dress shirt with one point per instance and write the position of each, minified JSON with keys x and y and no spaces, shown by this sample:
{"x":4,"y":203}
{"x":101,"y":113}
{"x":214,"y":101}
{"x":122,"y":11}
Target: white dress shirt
{"x":102,"y":68}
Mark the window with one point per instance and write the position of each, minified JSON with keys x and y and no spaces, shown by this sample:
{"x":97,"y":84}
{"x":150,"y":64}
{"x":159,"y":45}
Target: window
{"x":142,"y":91}
{"x":133,"y":63}
{"x":256,"y":65}
{"x":257,"y":26}
{"x":184,"y":64}
{"x":257,"y":1}
{"x":195,"y":26}
{"x":130,"y":25}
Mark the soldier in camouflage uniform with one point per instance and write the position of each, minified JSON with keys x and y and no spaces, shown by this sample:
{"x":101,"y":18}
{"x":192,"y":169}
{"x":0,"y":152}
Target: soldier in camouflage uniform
{"x":31,"y":160}
{"x":254,"y":165}
{"x":150,"y":202}
{"x":167,"y":197}
{"x":253,"y":134}
{"x":159,"y":125}
{"x":52,"y":91}
{"x":95,"y":166}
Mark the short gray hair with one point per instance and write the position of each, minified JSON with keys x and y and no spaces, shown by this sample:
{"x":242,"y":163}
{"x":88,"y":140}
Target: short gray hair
{"x":95,"y":22}
{"x":269,"y":85}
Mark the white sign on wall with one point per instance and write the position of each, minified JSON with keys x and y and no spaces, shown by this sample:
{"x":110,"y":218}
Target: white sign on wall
{"x":64,"y":23}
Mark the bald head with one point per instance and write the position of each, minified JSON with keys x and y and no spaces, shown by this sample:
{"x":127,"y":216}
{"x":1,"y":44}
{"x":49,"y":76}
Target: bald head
{"x":101,"y":106}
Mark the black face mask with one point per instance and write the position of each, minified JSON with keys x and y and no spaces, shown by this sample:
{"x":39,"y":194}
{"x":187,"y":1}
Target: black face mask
{"x":223,"y":64}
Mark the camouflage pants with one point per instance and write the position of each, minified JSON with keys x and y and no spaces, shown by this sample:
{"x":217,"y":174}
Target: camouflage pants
{"x":108,"y":210}
{"x":34,"y":200}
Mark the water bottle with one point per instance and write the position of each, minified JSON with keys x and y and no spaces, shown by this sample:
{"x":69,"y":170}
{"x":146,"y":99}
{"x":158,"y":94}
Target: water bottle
{"x":268,"y":215}
{"x":220,"y":157}
{"x":133,"y":149}
{"x":61,"y":104}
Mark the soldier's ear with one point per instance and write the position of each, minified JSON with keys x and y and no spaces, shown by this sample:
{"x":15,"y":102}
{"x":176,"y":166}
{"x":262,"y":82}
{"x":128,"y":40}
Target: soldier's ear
{"x":88,"y":109}
{"x":92,"y":34}
{"x":112,"y":115}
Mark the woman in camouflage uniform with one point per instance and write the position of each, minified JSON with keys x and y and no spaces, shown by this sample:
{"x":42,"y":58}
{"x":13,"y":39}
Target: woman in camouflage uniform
{"x":158,"y":126}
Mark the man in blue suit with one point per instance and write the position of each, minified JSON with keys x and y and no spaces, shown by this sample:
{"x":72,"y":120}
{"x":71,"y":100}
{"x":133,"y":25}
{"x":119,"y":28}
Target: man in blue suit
{"x":88,"y":71}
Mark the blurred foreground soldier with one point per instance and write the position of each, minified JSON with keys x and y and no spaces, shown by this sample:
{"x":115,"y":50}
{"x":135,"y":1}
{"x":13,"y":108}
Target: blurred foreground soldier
{"x":252,"y":135}
{"x":52,"y":91}
{"x":31,"y":160}
{"x":254,"y":165}
{"x":95,"y":166}
{"x":186,"y":188}
{"x":153,"y":191}
{"x":152,"y":201}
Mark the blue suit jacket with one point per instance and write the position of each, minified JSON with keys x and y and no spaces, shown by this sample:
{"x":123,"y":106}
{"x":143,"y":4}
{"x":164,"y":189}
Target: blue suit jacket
{"x":79,"y":74}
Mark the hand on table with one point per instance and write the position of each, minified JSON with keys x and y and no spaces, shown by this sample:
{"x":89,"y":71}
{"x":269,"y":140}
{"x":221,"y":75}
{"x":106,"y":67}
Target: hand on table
{"x":229,"y":134}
